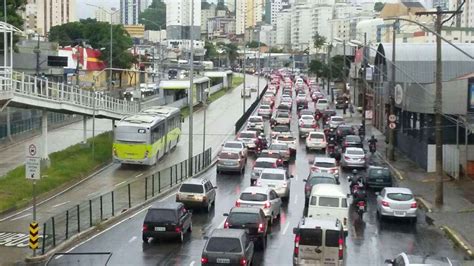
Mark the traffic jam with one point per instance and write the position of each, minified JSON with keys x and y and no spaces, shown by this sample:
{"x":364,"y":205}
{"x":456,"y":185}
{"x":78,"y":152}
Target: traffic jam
{"x":299,"y":172}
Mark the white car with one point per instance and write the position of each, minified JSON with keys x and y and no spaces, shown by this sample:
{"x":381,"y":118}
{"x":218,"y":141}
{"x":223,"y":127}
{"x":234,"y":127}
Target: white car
{"x":286,"y":139}
{"x":396,"y":202}
{"x":322,"y":104}
{"x":264,"y":110}
{"x":324,"y":165}
{"x":261,"y":197}
{"x":353,"y":157}
{"x":255,"y":122}
{"x":249,"y":138}
{"x":307,"y":120}
{"x":316,"y":140}
{"x":276,"y":179}
{"x":419,"y":260}
{"x":272,"y":89}
{"x":335,"y":121}
{"x":234,"y":145}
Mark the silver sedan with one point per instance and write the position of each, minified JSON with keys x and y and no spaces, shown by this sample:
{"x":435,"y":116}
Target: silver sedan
{"x":396,"y":202}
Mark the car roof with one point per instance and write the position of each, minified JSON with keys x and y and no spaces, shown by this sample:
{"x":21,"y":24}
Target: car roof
{"x":263,"y":190}
{"x":328,"y":190}
{"x":325,"y":175}
{"x":336,"y":116}
{"x":325,"y":159}
{"x":354,"y":149}
{"x":234,"y":141}
{"x":245,"y":210}
{"x":248,"y":131}
{"x":166,"y":205}
{"x":398,"y":190}
{"x":274,"y":171}
{"x":309,"y":116}
{"x":230,"y":233}
{"x":255,"y":116}
{"x":324,"y":223}
{"x":266,"y":159}
{"x":196,"y":180}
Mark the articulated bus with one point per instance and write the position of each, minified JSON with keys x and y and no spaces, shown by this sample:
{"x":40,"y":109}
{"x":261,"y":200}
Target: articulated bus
{"x":145,"y":137}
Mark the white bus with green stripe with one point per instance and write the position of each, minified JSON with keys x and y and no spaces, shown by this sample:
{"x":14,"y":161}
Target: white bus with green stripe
{"x":145,"y":137}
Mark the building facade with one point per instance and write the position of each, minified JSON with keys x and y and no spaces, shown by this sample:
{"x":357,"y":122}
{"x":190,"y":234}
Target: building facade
{"x":41,"y":15}
{"x":106,"y":16}
{"x":220,"y":28}
{"x":130,"y":10}
{"x":283,"y":29}
{"x":179,"y":25}
{"x":248,"y":14}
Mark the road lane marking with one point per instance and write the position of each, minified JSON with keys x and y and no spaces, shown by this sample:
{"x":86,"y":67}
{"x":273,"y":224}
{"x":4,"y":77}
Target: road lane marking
{"x":286,"y":228}
{"x":120,"y":183}
{"x":138,"y":175}
{"x":296,"y":199}
{"x":192,"y":263}
{"x":132,"y":239}
{"x":57,"y":205}
{"x":20,"y":217}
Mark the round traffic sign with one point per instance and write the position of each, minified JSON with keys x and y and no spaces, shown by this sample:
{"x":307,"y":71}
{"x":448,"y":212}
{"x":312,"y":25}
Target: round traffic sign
{"x":32,"y":149}
{"x":392,"y":118}
{"x":392,"y":125}
{"x":398,"y":97}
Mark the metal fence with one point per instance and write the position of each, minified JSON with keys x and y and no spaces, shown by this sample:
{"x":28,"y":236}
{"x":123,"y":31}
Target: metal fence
{"x":92,"y":212}
{"x":244,"y":117}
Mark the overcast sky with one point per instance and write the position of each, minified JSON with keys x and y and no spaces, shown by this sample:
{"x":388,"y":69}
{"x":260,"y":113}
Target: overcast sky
{"x":85,"y":11}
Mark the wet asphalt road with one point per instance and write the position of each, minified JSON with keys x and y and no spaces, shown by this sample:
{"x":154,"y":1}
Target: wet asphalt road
{"x":369,"y":242}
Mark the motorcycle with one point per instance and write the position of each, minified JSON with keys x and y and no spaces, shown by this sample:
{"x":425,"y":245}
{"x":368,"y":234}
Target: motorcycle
{"x":362,"y":133}
{"x":359,"y":196}
{"x":372,"y":148}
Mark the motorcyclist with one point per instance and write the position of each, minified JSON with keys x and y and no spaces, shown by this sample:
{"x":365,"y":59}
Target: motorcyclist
{"x":355,"y":180}
{"x":362,"y":131}
{"x":372,"y":143}
{"x":261,"y":142}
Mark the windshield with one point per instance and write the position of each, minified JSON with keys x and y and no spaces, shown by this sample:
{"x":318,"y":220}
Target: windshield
{"x":255,"y":119}
{"x":243,"y":218}
{"x":328,"y":202}
{"x":229,"y":155}
{"x":306,"y":125}
{"x":264,"y":164}
{"x":191,"y":188}
{"x":322,"y":180}
{"x":281,"y":128}
{"x":270,"y":155}
{"x":322,"y":101}
{"x":272,"y":176}
{"x":253,"y":196}
{"x":247,"y":135}
{"x":355,"y":152}
{"x":160,"y":216}
{"x":399,"y":196}
{"x":233,"y":145}
{"x":285,"y":138}
{"x":264,"y":107}
{"x":379,"y":173}
{"x":316,"y":136}
{"x":224,"y":244}
{"x":307,"y":117}
{"x":311,"y":237}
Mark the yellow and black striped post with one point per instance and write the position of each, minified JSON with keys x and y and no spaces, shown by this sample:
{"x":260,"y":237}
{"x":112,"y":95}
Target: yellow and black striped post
{"x":34,"y":236}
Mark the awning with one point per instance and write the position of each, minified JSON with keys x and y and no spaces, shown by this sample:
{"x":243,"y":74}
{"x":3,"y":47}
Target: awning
{"x":181,"y":84}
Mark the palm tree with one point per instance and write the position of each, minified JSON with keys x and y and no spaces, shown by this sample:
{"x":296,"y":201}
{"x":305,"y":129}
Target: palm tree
{"x":230,"y":51}
{"x":319,"y":41}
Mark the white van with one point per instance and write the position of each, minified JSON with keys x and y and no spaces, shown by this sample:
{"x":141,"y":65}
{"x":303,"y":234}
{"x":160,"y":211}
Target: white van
{"x":319,"y":242}
{"x":329,"y":200}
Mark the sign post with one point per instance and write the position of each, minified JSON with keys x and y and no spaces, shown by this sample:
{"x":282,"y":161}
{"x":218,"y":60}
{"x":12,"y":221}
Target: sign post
{"x":33,"y":172}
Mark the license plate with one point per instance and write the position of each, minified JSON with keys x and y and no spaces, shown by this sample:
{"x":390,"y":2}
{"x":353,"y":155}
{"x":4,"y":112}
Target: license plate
{"x":399,"y":213}
{"x":160,"y":229}
{"x":361,"y":207}
{"x":219,"y":260}
{"x":228,"y":163}
{"x":190,"y":197}
{"x":271,"y":185}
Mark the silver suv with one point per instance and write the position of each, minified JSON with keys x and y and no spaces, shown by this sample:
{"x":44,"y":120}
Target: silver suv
{"x":197,"y":192}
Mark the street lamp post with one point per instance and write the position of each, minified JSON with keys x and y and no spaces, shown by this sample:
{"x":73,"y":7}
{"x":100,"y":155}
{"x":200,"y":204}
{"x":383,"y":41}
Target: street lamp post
{"x":190,"y":94}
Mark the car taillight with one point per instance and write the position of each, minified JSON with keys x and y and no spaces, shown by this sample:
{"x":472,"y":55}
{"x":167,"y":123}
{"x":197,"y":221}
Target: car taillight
{"x":307,"y":188}
{"x":384,"y":203}
{"x":341,"y":248}
{"x":145,"y":228}
{"x":297,"y":246}
{"x":414,"y":205}
{"x":226,"y":224}
{"x":346,"y":144}
{"x":177,"y":229}
{"x":204,"y":260}
{"x":243,"y":261}
{"x":267,"y":205}
{"x":275,"y":165}
{"x":260,"y":228}
{"x":347,"y":157}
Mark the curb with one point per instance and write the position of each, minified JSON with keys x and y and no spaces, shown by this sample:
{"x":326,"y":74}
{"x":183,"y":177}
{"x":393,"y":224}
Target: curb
{"x":398,"y":175}
{"x":458,"y":240}
{"x":424,"y":204}
{"x":90,"y":232}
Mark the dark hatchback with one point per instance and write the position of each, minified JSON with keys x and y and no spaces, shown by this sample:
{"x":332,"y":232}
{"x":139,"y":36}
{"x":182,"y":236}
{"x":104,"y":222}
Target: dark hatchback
{"x":352,"y":141}
{"x":344,"y":130}
{"x":318,"y":178}
{"x":229,"y":247}
{"x":170,"y":220}
{"x":378,"y":177}
{"x":251,"y":219}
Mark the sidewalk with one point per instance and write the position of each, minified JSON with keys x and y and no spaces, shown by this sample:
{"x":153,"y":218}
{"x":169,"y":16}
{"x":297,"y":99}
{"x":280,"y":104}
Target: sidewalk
{"x":456,"y":216}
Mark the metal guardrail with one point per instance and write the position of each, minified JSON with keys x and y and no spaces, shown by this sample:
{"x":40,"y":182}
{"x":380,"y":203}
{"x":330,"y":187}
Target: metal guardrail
{"x":32,"y":86}
{"x":92,"y":212}
{"x":245,"y":116}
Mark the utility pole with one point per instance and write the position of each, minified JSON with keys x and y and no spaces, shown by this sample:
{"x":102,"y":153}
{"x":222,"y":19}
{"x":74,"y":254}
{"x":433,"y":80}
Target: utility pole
{"x":330,"y":68}
{"x":391,"y":132}
{"x":37,"y":52}
{"x":243,"y":71}
{"x":190,"y":94}
{"x":364,"y":86}
{"x":258,"y":67}
{"x":344,"y":66}
{"x":439,"y":196}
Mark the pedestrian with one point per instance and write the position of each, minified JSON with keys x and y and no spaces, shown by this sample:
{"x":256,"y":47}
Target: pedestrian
{"x":351,"y":109}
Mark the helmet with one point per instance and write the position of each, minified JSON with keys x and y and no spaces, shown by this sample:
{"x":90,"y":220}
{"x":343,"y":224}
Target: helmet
{"x":354,"y":172}
{"x":262,"y":135}
{"x":373,"y":137}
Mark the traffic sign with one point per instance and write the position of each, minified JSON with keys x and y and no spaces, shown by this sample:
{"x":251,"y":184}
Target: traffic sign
{"x":32,"y":150}
{"x":32,"y":162}
{"x":34,"y":235}
{"x":392,"y":125}
{"x":392,"y":118}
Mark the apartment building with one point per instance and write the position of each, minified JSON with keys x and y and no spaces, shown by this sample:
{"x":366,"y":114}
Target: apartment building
{"x":41,"y":15}
{"x":130,"y":10}
{"x":248,"y":14}
{"x":107,"y":15}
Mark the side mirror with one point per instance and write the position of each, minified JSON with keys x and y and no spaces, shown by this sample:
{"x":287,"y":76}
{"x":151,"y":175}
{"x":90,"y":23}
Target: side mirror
{"x":305,"y":180}
{"x":377,"y":193}
{"x":292,"y":176}
{"x":296,"y":230}
{"x":389,"y":261}
{"x":348,"y":195}
{"x":225,"y":214}
{"x":215,"y":187}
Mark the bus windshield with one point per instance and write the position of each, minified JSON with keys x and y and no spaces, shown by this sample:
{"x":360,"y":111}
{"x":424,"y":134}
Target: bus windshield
{"x":131,"y":135}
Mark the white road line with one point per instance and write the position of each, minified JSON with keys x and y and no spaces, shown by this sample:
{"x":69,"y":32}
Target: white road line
{"x":296,"y":199}
{"x":91,"y":194}
{"x":57,"y":205}
{"x":120,"y":183}
{"x":19,"y":217}
{"x":192,"y":263}
{"x":286,"y":228}
{"x":132,"y":239}
{"x":139,"y":175}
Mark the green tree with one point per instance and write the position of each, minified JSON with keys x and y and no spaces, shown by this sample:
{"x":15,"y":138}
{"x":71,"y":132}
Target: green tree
{"x":378,"y":6}
{"x":319,"y":41}
{"x":205,"y":5}
{"x":276,"y":50}
{"x":97,"y":34}
{"x":254,"y":44}
{"x":154,"y":16}
{"x":211,"y":51}
{"x":230,"y":50}
{"x":319,"y":68}
{"x":14,"y":10}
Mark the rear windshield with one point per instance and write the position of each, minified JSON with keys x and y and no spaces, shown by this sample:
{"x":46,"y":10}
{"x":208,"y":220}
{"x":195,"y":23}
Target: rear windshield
{"x":243,"y":218}
{"x":307,"y":117}
{"x":353,"y":138}
{"x":224,"y":244}
{"x":284,"y":115}
{"x":229,"y":155}
{"x":233,"y":145}
{"x":285,"y":138}
{"x":324,"y":164}
{"x":399,"y":196}
{"x":253,"y":197}
{"x":322,"y":180}
{"x":306,"y":113}
{"x":191,"y":188}
{"x":332,"y":238}
{"x":311,"y":237}
{"x":355,"y":152}
{"x":317,"y":136}
{"x":264,"y":107}
{"x":337,"y":119}
{"x":278,"y":146}
{"x":255,"y":119}
{"x":306,"y":125}
{"x":281,"y":128}
{"x":322,"y":101}
{"x":272,"y":176}
{"x":264,"y":164}
{"x":247,"y":135}
{"x":379,"y":173}
{"x":160,"y":216}
{"x":270,"y":155}
{"x":328,"y":202}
